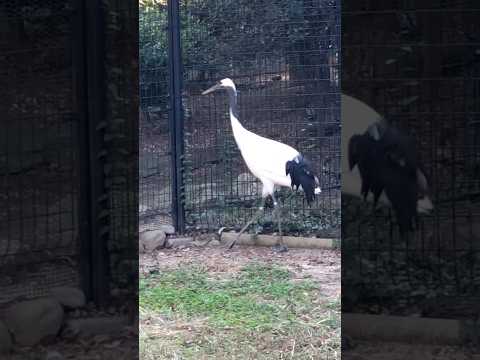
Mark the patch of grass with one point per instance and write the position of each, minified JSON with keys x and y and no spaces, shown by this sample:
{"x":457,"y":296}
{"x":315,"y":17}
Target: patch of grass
{"x":261,"y":310}
{"x":255,"y":299}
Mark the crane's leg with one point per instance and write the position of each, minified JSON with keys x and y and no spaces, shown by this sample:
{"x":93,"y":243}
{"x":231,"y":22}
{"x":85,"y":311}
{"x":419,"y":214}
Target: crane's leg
{"x":280,"y":246}
{"x":257,"y":215}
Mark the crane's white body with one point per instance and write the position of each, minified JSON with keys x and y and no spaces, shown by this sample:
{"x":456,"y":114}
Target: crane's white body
{"x":356,"y":118}
{"x":268,"y":160}
{"x":265,"y":158}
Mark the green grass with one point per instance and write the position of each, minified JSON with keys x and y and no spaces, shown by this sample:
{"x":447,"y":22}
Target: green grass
{"x":261,"y":304}
{"x":257,"y":299}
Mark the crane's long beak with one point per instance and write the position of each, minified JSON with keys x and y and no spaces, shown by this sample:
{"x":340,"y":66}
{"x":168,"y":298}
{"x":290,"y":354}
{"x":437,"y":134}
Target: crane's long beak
{"x":212,"y":89}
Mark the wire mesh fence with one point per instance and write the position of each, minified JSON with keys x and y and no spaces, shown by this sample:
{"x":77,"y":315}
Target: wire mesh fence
{"x":422,"y":75}
{"x":120,"y":195}
{"x":284,"y":58}
{"x":155,"y":166}
{"x":67,"y":175}
{"x":38,"y":149}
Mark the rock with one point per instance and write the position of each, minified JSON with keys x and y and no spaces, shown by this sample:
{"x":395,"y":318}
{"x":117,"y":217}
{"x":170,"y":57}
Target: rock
{"x":97,"y":326}
{"x":69,"y":297}
{"x":5,"y":339}
{"x":69,"y":333}
{"x":142,"y":208}
{"x":167,"y":229}
{"x":151,"y":240}
{"x":178,"y":242}
{"x":35,"y":320}
{"x":200,"y":243}
{"x":54,"y":355}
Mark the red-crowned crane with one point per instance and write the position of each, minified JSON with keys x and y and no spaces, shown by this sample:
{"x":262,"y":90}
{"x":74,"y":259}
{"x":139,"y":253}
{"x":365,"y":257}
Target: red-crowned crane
{"x":272,"y":162}
{"x":380,"y":163}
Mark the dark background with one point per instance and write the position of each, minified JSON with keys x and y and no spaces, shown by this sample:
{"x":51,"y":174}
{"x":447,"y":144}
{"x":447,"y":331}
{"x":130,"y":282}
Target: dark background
{"x":69,"y":151}
{"x":417,"y":63}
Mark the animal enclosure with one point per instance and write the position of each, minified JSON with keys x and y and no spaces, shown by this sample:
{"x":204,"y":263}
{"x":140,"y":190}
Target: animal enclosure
{"x":65,"y":164}
{"x":284,"y":58}
{"x":39,"y":162}
{"x":422,"y":75}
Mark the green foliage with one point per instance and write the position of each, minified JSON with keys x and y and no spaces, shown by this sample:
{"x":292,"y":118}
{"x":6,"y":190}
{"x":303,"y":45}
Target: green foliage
{"x":228,"y":34}
{"x":216,"y":30}
{"x":153,"y":36}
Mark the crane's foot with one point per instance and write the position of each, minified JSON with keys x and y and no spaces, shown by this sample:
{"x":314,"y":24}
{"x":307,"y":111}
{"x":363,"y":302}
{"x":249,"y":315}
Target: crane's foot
{"x":231,"y":244}
{"x":280,"y":248}
{"x":219,"y":233}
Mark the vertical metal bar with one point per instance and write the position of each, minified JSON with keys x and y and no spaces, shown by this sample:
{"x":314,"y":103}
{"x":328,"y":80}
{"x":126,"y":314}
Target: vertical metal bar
{"x":91,"y":91}
{"x":176,"y":113}
{"x":96,"y":100}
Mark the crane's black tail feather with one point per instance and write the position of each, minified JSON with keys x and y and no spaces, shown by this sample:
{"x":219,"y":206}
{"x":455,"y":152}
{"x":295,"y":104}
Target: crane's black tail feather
{"x":302,"y":175}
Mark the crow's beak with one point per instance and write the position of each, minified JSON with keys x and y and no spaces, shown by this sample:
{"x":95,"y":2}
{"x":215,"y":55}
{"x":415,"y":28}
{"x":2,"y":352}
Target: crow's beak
{"x":212,"y":89}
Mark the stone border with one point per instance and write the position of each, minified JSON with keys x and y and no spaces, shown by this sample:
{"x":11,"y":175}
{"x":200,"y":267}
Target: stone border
{"x":98,"y":325}
{"x":290,"y":241}
{"x":406,"y":329}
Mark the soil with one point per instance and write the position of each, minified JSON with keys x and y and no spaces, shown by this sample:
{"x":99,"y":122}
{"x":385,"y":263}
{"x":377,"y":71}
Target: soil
{"x":370,"y":350}
{"x":322,"y":265}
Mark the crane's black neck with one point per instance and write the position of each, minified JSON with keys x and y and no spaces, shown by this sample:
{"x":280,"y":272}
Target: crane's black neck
{"x":232,"y":94}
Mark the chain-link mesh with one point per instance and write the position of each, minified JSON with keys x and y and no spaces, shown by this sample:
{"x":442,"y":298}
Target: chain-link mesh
{"x":284,"y":58}
{"x":38,"y":149}
{"x":121,"y":145}
{"x":47,"y":150}
{"x":418,"y":67}
{"x":155,"y":166}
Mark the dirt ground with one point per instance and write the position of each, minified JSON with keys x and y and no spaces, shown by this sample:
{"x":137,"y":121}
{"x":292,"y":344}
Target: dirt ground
{"x":122,"y":346}
{"x":367,"y":350}
{"x":322,"y":264}
{"x":312,"y":335}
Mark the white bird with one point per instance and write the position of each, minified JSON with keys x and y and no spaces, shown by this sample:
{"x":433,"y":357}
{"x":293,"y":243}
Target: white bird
{"x":386,"y":155}
{"x":272,"y":162}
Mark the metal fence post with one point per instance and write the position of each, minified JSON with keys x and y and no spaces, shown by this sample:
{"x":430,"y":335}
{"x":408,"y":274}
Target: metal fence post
{"x":176,"y":113}
{"x":80,"y":107}
{"x":92,"y":98}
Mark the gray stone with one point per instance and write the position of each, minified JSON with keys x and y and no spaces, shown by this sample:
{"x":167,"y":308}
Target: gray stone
{"x":178,"y":242}
{"x":69,"y":296}
{"x":54,"y":355}
{"x":167,"y":229}
{"x":35,"y":320}
{"x":5,"y":339}
{"x":142,"y":208}
{"x":151,"y":240}
{"x":68,"y":332}
{"x":215,"y":243}
{"x":97,"y":326}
